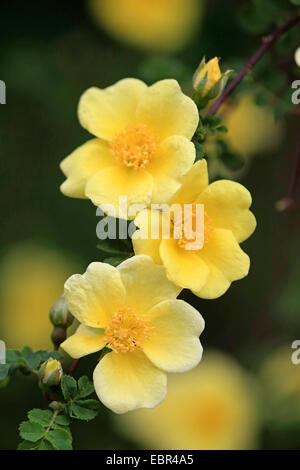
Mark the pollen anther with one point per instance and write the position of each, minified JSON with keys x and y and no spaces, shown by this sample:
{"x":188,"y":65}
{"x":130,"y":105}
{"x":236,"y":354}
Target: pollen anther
{"x":135,"y":146}
{"x":127,"y":331}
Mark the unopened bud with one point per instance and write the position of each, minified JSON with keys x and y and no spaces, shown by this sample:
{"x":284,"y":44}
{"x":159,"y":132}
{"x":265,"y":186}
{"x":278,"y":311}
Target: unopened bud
{"x":51,"y":372}
{"x":209,"y":82}
{"x":207,"y":75}
{"x":60,"y":315}
{"x":58,"y":336}
{"x":57,"y":406}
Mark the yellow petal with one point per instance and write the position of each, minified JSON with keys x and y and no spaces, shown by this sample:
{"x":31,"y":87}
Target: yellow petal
{"x":146,"y":283}
{"x":227,"y":206}
{"x":172,"y":161}
{"x":227,"y":262}
{"x":81,"y":164}
{"x":85,"y":341}
{"x":108,"y":185}
{"x":174,"y":344}
{"x":142,"y":239}
{"x":167,"y":111}
{"x":184,"y":268}
{"x":127,"y":381}
{"x":193,"y":183}
{"x":94,"y":296}
{"x":105,"y":112}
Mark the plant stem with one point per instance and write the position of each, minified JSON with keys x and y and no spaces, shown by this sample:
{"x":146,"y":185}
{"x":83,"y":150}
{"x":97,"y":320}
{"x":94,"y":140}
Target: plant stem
{"x":267,"y":42}
{"x":73,"y":367}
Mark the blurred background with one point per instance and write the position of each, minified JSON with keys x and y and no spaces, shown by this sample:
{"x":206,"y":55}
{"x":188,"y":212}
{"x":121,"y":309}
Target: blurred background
{"x":246,"y":392}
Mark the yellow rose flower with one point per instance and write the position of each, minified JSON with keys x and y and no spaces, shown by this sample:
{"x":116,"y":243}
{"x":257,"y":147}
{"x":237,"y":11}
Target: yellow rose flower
{"x":281,"y":381}
{"x":213,"y":407}
{"x":252,"y":129}
{"x":161,"y":25}
{"x":207,"y":271}
{"x":31,"y":278}
{"x":142,"y":147}
{"x":212,"y":69}
{"x":132,"y":309}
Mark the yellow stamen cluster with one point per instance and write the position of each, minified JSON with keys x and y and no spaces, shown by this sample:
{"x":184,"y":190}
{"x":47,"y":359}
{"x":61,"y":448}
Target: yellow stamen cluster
{"x":127,"y":331}
{"x":180,"y":229}
{"x":134,"y":146}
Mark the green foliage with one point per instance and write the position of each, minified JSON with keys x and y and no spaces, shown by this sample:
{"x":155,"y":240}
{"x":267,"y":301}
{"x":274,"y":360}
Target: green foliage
{"x":75,"y":393}
{"x":26,"y":361}
{"x":256,"y":17}
{"x":267,"y":82}
{"x":50,"y":429}
{"x":157,"y":68}
{"x":209,"y":125}
{"x":118,"y":250}
{"x":45,"y":430}
{"x":199,"y":151}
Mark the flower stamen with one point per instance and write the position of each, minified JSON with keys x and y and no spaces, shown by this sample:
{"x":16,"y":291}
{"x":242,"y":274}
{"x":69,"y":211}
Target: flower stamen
{"x":134,"y":146}
{"x":127,"y":331}
{"x":182,"y":235}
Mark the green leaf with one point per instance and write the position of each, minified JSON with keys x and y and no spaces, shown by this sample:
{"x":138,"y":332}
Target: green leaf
{"x":68,"y":387}
{"x":42,"y":417}
{"x":113,"y":247}
{"x":295,"y":2}
{"x":62,"y":420}
{"x":27,"y":445}
{"x":199,"y":151}
{"x":85,"y":387}
{"x":12,"y":356}
{"x":91,"y":404}
{"x":60,"y":439}
{"x":4,"y":369}
{"x":115,"y":261}
{"x":45,"y":445}
{"x":32,"y":432}
{"x":81,"y":412}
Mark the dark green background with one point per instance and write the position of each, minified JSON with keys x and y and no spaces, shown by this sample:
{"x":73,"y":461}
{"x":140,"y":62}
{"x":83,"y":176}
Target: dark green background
{"x":50,"y":52}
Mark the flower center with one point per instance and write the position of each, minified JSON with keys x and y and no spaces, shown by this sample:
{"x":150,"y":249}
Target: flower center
{"x":127,"y":331}
{"x":185,"y":231}
{"x":134,"y":146}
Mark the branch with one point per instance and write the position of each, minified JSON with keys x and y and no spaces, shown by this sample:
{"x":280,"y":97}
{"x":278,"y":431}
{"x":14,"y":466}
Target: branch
{"x":267,"y":42}
{"x":73,"y":367}
{"x":289,"y":202}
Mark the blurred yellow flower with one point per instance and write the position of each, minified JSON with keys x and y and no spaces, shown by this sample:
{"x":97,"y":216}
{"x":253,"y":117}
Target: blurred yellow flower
{"x":212,"y":69}
{"x":133,"y":311}
{"x":213,"y":407}
{"x":252,"y":129}
{"x":281,"y":380}
{"x":161,"y":25}
{"x":209,"y":270}
{"x":31,"y":281}
{"x":142,"y":149}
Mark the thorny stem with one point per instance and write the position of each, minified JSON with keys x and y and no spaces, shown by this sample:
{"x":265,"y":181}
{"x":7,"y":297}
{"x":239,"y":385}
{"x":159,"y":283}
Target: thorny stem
{"x":289,"y":202}
{"x":267,"y":42}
